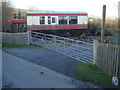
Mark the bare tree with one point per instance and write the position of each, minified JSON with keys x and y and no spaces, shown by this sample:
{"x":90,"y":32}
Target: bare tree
{"x":7,"y":13}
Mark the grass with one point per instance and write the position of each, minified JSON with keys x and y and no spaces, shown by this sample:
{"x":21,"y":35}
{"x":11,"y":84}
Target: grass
{"x":90,"y":73}
{"x":6,"y":45}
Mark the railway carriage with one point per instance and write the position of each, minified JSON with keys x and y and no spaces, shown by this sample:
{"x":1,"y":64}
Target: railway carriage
{"x":58,"y":22}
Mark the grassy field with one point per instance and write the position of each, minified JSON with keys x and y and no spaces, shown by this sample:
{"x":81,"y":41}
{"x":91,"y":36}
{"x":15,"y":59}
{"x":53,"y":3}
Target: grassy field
{"x":90,"y":73}
{"x":6,"y":45}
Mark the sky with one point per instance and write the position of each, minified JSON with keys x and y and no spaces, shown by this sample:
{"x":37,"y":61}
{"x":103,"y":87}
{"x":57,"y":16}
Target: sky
{"x":92,"y":7}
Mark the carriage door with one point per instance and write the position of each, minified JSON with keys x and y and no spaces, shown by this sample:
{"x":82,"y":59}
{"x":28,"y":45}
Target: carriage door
{"x":53,"y":20}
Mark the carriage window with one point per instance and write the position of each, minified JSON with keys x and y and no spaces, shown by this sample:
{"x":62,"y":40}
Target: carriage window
{"x":72,"y":19}
{"x":62,"y":19}
{"x":49,"y":20}
{"x":42,"y":20}
{"x":53,"y":19}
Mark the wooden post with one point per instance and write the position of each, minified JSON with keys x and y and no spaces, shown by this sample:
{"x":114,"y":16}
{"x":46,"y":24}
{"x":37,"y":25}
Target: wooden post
{"x":103,"y":23}
{"x":95,"y":44}
{"x":118,"y":37}
{"x":29,"y":36}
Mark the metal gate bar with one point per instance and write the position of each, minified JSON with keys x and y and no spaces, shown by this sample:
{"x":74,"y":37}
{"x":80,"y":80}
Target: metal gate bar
{"x":78,"y":50}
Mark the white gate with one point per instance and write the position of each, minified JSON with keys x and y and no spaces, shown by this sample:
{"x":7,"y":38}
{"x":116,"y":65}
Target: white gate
{"x":78,"y":50}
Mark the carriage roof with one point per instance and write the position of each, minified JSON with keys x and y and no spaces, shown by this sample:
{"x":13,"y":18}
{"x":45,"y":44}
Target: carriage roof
{"x":55,"y":12}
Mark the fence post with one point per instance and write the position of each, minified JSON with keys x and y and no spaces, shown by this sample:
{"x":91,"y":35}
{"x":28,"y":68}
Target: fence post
{"x":94,"y":51}
{"x":119,"y":62}
{"x":29,"y":36}
{"x":103,"y":23}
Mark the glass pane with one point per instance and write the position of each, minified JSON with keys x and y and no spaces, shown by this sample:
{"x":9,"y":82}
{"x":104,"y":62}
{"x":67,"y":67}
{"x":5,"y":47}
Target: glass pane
{"x":53,"y":20}
{"x":49,"y":20}
{"x":62,"y":19}
{"x":73,"y":19}
{"x":42,"y":20}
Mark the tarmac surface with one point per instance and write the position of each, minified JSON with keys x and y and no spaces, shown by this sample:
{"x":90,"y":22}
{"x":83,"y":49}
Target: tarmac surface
{"x":0,"y":68}
{"x":20,"y":73}
{"x":47,"y":58}
{"x":51,"y":60}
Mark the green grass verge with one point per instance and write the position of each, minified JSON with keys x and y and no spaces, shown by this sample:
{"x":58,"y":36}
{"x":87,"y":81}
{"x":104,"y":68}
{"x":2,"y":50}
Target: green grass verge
{"x":90,"y":73}
{"x":6,"y":45}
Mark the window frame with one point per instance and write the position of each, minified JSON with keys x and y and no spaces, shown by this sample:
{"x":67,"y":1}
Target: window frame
{"x":49,"y":19}
{"x":42,"y":20}
{"x":71,"y":18}
{"x":53,"y":20}
{"x":64,"y":20}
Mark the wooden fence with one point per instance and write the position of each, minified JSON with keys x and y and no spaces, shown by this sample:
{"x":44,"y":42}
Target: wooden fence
{"x":107,"y":57}
{"x":15,"y":38}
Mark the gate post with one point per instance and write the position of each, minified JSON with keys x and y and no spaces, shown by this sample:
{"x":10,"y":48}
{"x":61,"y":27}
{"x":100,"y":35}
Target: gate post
{"x":94,"y":51}
{"x":29,"y":36}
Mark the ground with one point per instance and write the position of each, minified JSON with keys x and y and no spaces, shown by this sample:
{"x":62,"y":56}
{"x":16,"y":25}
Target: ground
{"x":47,"y":58}
{"x":0,"y":68}
{"x":19,"y":73}
{"x":20,"y":66}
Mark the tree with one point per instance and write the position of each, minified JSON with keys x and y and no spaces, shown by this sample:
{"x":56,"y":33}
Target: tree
{"x":7,"y":13}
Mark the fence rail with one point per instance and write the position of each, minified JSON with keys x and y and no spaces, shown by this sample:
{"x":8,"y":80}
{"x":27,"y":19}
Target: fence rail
{"x":107,"y":57}
{"x":79,"y":50}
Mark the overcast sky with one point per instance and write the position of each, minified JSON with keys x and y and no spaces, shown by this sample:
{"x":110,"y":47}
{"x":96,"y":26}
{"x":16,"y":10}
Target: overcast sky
{"x":92,"y":7}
